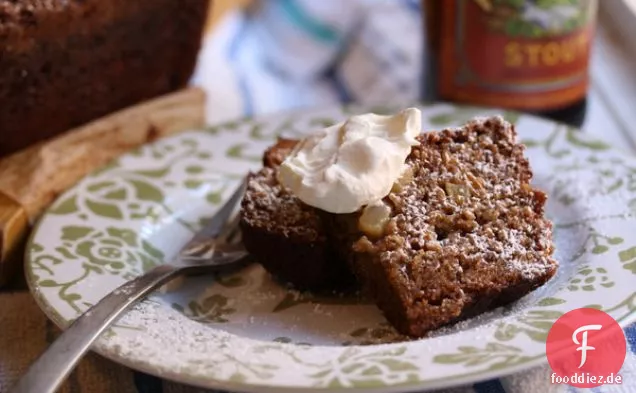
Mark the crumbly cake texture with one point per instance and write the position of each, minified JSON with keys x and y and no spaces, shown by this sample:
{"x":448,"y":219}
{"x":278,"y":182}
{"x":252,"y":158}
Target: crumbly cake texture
{"x":66,"y":62}
{"x":285,"y":235}
{"x":467,"y":233}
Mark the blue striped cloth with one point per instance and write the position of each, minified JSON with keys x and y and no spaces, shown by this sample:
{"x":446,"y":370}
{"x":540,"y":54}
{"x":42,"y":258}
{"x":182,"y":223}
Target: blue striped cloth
{"x":288,"y":54}
{"x":293,"y":53}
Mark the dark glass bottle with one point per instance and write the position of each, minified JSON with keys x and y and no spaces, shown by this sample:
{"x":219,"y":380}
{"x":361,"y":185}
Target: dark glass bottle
{"x":528,"y":55}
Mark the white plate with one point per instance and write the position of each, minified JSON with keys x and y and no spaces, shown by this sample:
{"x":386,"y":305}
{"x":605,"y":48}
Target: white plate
{"x":246,"y":333}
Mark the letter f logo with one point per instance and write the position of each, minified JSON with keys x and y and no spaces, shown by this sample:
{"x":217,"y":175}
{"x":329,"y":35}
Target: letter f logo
{"x":583,"y":344}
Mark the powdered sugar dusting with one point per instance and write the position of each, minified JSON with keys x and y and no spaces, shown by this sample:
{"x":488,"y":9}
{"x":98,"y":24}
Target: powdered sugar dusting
{"x":462,"y":230}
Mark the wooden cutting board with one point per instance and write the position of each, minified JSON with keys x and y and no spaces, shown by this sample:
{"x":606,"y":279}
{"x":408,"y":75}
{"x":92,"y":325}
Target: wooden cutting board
{"x":31,"y":179}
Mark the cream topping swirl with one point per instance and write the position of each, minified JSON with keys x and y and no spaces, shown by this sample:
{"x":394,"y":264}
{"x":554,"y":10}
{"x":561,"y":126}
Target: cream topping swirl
{"x":351,"y":164}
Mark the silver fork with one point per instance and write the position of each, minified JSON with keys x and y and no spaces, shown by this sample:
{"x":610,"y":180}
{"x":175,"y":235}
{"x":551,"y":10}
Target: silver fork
{"x":211,"y":249}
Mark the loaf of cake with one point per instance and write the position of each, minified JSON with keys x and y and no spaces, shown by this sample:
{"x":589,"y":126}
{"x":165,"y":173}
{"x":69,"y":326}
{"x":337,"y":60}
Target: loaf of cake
{"x":463,"y":231}
{"x":66,"y":62}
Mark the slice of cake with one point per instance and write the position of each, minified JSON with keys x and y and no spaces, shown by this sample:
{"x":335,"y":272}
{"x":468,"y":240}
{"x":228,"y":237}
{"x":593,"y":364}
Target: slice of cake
{"x":463,"y":231}
{"x":286,"y":236}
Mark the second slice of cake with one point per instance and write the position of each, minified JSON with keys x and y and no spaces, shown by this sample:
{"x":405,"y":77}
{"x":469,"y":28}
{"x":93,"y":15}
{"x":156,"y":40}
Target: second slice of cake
{"x":463,"y":230}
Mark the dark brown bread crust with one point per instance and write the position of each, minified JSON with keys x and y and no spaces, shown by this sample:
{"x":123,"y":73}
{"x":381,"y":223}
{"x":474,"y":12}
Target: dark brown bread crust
{"x":65,"y":63}
{"x":286,"y":236}
{"x":466,"y":234}
{"x":275,"y":155}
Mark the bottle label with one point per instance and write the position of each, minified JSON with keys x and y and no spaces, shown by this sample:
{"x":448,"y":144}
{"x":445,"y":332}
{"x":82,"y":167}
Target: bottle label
{"x":523,"y":54}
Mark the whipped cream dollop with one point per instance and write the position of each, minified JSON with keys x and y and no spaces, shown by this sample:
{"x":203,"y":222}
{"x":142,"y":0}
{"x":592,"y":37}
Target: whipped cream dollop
{"x":351,"y":164}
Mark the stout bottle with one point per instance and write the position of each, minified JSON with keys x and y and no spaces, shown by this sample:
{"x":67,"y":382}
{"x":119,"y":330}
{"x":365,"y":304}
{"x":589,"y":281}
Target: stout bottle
{"x":529,"y":55}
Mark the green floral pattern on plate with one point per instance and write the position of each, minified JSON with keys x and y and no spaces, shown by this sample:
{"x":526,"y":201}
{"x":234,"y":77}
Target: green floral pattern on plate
{"x":214,"y":308}
{"x":245,"y":330}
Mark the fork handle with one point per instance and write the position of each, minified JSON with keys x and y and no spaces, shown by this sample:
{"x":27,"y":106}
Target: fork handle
{"x":54,"y":365}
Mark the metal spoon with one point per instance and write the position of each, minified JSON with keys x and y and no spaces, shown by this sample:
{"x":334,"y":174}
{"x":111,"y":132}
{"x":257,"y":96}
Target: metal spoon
{"x":213,"y":248}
